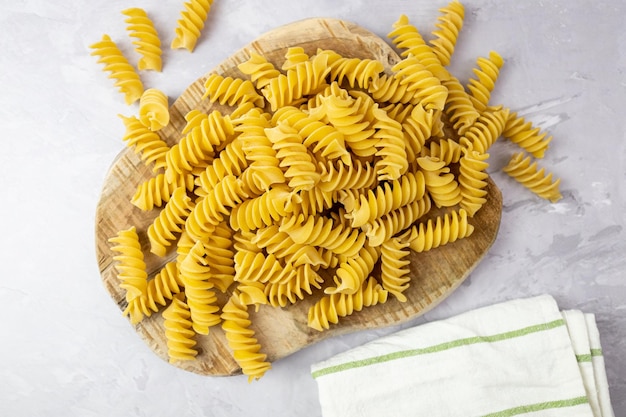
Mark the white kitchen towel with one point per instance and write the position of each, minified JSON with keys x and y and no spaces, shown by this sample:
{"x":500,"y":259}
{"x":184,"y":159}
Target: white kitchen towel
{"x":509,"y":359}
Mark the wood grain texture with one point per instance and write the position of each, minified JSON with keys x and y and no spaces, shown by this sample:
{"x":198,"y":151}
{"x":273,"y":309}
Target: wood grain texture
{"x":281,"y":331}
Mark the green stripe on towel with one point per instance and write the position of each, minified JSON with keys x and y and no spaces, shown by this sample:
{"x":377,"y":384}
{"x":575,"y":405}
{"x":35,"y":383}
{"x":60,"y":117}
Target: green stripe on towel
{"x":596,"y":352}
{"x":440,"y":347}
{"x":583,"y":358}
{"x":531,"y":408}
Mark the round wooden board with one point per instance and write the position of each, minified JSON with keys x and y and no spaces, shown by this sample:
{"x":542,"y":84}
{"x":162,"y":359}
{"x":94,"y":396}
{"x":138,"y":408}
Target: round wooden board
{"x":281,"y":331}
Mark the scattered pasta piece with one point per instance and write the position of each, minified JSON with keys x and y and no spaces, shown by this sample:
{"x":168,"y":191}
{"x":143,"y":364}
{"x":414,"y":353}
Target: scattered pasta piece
{"x":147,"y":42}
{"x":191,"y":23}
{"x":526,"y":172}
{"x":127,"y":79}
{"x":154,"y":109}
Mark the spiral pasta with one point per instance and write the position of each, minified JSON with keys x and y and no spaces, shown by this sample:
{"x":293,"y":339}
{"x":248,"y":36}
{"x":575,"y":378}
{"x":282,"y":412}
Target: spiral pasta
{"x":246,"y":349}
{"x":448,"y":27}
{"x":323,"y":232}
{"x":202,"y":135}
{"x":294,"y":56}
{"x":339,"y":176}
{"x":298,"y":164}
{"x":201,"y":299}
{"x":390,"y":147}
{"x":153,"y":109}
{"x":441,"y":184}
{"x":353,"y":271}
{"x":446,"y":150}
{"x":130,"y":263}
{"x":459,"y":106}
{"x":164,"y":229}
{"x":160,"y":289}
{"x":526,"y":136}
{"x":126,"y":78}
{"x":383,"y":228}
{"x":211,"y":209}
{"x":190,"y":24}
{"x":147,"y":42}
{"x":320,"y":137}
{"x":407,"y":38}
{"x":487,"y":73}
{"x":485,"y":131}
{"x":231,"y":91}
{"x":303,"y":79}
{"x":302,"y":281}
{"x":231,"y":161}
{"x":263,"y":169}
{"x":472,"y":180}
{"x":427,"y":88}
{"x":358,"y":72}
{"x":144,"y":142}
{"x":331,"y":307}
{"x":259,"y":69}
{"x":178,"y":331}
{"x":417,"y":128}
{"x":445,"y":229}
{"x":280,"y":244}
{"x":385,"y":198}
{"x":394,"y":271}
{"x":261,"y":211}
{"x":536,"y":179}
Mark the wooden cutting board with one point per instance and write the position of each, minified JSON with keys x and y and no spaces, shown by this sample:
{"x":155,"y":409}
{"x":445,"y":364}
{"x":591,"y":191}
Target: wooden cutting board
{"x":282,"y":331}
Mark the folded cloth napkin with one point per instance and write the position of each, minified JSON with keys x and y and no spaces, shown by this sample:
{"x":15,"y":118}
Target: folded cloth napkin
{"x":520,"y":357}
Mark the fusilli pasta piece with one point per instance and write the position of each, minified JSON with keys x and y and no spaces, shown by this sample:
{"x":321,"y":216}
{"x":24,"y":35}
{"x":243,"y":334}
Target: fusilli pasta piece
{"x":459,"y":106}
{"x":441,"y":184}
{"x":443,"y":230}
{"x":231,"y":91}
{"x":526,"y":136}
{"x":154,"y":112}
{"x":130,"y":264}
{"x":426,"y":87}
{"x":487,"y":73}
{"x":358,"y":72}
{"x":126,"y":78}
{"x":178,"y":332}
{"x":144,"y":142}
{"x":301,"y":282}
{"x":448,"y":27}
{"x":485,"y":131}
{"x":203,"y":134}
{"x":261,"y":211}
{"x":407,"y":38}
{"x":240,"y":337}
{"x":211,"y":209}
{"x":259,"y":69}
{"x":201,"y":299}
{"x":391,"y":147}
{"x":446,"y":150}
{"x":191,"y":23}
{"x":331,"y":307}
{"x":147,"y":42}
{"x":231,"y":161}
{"x":323,"y":232}
{"x":352,"y":273}
{"x":295,"y":55}
{"x":383,"y":228}
{"x":339,"y":176}
{"x":537,"y":180}
{"x":394,"y":271}
{"x":303,"y":79}
{"x":472,"y":180}
{"x":298,"y":164}
{"x":385,"y":198}
{"x":170,"y":222}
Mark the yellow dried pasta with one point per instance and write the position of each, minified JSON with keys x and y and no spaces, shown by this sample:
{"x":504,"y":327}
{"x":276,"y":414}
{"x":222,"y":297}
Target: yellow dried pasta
{"x":312,"y":177}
